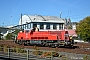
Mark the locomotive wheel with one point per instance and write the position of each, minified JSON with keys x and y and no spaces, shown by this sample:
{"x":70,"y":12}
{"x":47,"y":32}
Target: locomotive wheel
{"x":27,"y":43}
{"x":43,"y":43}
{"x":52,"y":45}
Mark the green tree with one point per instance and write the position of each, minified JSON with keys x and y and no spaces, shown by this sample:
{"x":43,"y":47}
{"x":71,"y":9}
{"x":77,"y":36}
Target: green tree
{"x":83,"y":29}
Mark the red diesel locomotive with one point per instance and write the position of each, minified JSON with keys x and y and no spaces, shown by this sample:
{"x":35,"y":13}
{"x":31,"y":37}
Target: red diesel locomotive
{"x":44,"y":38}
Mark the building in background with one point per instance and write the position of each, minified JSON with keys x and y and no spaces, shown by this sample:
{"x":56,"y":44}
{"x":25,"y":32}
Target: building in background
{"x":74,"y":25}
{"x":70,"y":27}
{"x":42,"y":22}
{"x":69,"y":24}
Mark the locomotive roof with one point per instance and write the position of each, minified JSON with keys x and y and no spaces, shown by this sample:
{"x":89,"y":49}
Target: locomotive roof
{"x":39,"y":18}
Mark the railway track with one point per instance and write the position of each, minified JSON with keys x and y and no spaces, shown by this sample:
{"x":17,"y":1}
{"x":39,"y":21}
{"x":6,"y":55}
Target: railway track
{"x":80,"y":48}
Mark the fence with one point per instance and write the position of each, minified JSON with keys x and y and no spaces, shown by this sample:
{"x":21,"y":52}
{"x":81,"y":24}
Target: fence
{"x":36,"y":54}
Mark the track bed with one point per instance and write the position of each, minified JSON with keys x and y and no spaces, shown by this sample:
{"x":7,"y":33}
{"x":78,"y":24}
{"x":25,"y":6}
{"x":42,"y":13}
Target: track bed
{"x":80,"y":48}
